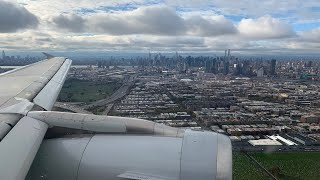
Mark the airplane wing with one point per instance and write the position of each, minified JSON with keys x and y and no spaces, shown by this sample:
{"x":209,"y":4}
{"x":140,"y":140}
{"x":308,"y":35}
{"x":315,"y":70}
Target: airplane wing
{"x":21,"y":90}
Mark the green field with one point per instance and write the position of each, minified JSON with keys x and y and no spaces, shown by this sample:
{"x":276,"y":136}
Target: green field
{"x":283,"y":165}
{"x":75,"y":90}
{"x":291,"y":165}
{"x":244,"y":169}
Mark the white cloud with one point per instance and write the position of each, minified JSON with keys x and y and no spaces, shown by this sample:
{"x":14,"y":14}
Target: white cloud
{"x":265,"y":27}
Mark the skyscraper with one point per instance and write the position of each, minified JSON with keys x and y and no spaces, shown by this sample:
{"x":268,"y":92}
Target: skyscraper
{"x":226,"y":67}
{"x":226,"y":62}
{"x":273,"y":67}
{"x":3,"y":55}
{"x":214,"y":68}
{"x":238,"y":69}
{"x":260,"y":72}
{"x":208,"y":65}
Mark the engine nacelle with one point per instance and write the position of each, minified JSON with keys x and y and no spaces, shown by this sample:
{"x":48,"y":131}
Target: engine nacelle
{"x":196,"y":155}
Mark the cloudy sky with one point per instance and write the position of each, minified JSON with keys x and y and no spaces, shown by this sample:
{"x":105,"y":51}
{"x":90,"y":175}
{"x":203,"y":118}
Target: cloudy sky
{"x":245,"y":26}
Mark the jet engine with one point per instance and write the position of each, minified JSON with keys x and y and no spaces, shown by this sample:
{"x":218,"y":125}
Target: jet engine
{"x":132,"y":149}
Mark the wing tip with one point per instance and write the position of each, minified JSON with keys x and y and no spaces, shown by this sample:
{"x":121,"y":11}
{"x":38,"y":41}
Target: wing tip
{"x":49,"y":56}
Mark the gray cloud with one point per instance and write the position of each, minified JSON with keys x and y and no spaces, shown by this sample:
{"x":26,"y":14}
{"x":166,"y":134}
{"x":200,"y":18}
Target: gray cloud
{"x":169,"y":42}
{"x":311,"y":35}
{"x":156,"y":20}
{"x":72,"y":22}
{"x":216,"y":26}
{"x":14,"y":18}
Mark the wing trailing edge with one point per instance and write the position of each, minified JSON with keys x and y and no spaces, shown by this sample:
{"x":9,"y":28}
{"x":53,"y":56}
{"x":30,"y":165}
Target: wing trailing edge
{"x":49,"y":94}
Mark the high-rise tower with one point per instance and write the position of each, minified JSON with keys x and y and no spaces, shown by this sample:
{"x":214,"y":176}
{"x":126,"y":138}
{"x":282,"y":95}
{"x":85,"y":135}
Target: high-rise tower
{"x":3,"y":55}
{"x":273,"y":67}
{"x":226,"y":62}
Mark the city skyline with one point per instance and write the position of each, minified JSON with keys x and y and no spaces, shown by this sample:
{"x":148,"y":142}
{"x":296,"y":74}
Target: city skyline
{"x":247,"y":27}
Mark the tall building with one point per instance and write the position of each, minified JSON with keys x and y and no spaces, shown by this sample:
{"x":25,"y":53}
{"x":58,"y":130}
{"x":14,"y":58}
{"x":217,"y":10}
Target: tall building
{"x":238,"y":69}
{"x":226,"y":62}
{"x":208,"y":65}
{"x":273,"y":67}
{"x":226,"y":67}
{"x":149,"y":59}
{"x":214,"y":68}
{"x":246,"y":70}
{"x":3,"y":55}
{"x":260,"y":72}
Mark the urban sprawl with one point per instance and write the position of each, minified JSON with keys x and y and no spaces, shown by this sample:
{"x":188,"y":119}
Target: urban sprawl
{"x":259,"y":103}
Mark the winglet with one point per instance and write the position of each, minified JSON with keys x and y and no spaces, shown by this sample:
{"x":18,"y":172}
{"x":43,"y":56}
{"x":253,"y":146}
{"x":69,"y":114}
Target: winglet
{"x":49,"y":56}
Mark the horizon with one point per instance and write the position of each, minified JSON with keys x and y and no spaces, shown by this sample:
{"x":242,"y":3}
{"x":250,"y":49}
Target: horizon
{"x":135,"y":55}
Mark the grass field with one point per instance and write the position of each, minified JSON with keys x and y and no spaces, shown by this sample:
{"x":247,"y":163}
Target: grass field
{"x":291,"y":165}
{"x":244,"y":169}
{"x":284,"y":165}
{"x":75,"y":90}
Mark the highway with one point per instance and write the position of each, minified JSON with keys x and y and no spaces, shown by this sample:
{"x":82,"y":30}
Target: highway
{"x":121,"y":92}
{"x":108,"y":102}
{"x":71,"y":107}
{"x":108,"y":108}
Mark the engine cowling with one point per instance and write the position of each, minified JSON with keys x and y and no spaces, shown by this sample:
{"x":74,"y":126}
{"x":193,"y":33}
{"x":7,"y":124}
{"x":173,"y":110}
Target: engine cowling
{"x":195,"y":155}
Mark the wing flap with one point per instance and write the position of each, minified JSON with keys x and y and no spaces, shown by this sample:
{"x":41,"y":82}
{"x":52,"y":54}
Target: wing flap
{"x":19,"y":147}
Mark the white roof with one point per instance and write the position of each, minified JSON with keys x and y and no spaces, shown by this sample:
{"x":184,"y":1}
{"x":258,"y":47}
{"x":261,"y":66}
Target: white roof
{"x":186,"y":80}
{"x":288,"y":142}
{"x":265,"y":142}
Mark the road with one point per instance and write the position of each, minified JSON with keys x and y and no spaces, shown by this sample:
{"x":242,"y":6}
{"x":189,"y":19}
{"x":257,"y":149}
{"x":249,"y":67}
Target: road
{"x":108,"y":102}
{"x":108,"y":108}
{"x":121,"y":92}
{"x":71,"y":107}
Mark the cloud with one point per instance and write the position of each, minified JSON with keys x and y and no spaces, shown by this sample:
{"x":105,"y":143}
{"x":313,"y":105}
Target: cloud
{"x":72,"y":22}
{"x":164,"y":25}
{"x":158,"y":20}
{"x":265,"y":27}
{"x":14,"y":18}
{"x":27,"y":40}
{"x":213,"y":26}
{"x":152,"y":20}
{"x":169,"y":42}
{"x":311,"y":36}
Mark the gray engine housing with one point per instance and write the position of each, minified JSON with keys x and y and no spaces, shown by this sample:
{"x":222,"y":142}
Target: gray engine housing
{"x":196,"y":155}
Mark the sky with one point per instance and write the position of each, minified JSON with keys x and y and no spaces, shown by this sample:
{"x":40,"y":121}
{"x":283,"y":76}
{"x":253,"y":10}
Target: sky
{"x":245,"y":26}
